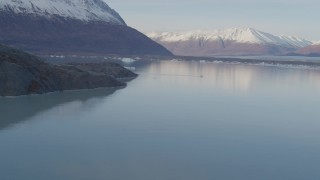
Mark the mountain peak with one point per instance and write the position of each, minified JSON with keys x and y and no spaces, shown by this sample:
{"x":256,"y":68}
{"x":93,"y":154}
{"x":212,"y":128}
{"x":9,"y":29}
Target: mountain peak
{"x":243,"y":35}
{"x":85,"y":10}
{"x":248,"y":29}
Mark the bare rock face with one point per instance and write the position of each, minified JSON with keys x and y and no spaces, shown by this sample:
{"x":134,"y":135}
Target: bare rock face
{"x":312,"y":50}
{"x":22,"y":74}
{"x":71,"y":27}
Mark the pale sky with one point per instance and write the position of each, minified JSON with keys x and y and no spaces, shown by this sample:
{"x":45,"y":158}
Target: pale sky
{"x":279,"y":17}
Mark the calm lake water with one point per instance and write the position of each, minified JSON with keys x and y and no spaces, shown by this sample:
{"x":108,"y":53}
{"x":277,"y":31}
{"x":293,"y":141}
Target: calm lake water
{"x":176,"y":121}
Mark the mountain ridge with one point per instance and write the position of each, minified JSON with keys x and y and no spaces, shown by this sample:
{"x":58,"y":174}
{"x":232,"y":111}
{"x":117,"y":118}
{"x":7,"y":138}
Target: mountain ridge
{"x":240,"y":35}
{"x":232,"y":41}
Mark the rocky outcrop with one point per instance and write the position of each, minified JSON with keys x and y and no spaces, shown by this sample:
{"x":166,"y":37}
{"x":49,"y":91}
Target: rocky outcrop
{"x":22,"y":74}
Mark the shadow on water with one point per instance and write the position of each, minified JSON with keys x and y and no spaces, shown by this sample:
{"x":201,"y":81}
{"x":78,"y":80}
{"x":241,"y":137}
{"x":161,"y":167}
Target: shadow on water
{"x":18,"y":109}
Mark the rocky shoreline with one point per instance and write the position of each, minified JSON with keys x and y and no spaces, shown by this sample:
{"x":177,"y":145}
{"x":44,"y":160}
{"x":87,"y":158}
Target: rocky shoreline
{"x":23,"y":74}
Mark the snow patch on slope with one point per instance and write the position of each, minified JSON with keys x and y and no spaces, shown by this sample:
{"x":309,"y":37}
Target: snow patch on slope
{"x":316,"y":43}
{"x":239,"y":35}
{"x":86,"y":10}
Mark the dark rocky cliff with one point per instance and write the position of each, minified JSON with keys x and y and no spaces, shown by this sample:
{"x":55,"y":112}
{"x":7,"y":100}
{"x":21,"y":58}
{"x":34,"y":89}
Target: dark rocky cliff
{"x":22,"y":74}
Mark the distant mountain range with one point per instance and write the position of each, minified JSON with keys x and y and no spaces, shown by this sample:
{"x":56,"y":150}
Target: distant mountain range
{"x":71,"y":27}
{"x":233,"y":42}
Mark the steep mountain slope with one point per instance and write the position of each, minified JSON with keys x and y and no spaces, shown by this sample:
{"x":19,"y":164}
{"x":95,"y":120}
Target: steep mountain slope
{"x":234,"y":41}
{"x":22,"y":74}
{"x":71,"y":27}
{"x":312,"y":50}
{"x":75,"y":9}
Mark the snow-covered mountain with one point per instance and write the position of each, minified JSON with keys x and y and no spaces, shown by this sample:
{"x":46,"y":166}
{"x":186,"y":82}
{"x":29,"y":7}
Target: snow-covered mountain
{"x":233,"y":41}
{"x":71,"y":27}
{"x":86,"y":10}
{"x":239,"y":35}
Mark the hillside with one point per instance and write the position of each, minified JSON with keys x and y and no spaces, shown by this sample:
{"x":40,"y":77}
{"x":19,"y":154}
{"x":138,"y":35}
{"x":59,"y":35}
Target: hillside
{"x":71,"y":27}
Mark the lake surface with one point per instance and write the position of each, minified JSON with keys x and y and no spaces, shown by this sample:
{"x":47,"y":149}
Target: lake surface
{"x":176,"y":121}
